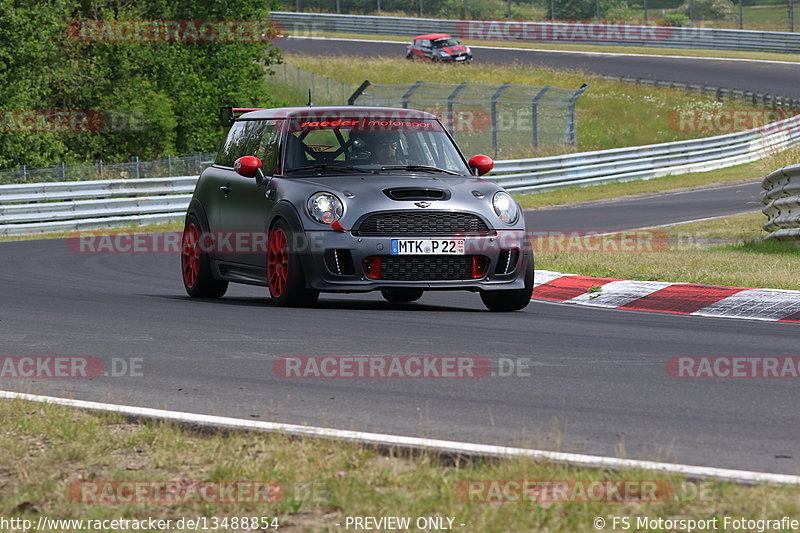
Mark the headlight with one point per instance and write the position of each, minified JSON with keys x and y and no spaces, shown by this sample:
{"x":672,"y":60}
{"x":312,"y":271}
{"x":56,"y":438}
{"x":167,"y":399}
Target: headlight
{"x":468,"y":49}
{"x":324,"y":207}
{"x":505,"y":207}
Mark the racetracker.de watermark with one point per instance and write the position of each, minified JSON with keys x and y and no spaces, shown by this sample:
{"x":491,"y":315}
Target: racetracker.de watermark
{"x":722,"y":121}
{"x":563,"y":491}
{"x":68,"y":367}
{"x":256,"y":242}
{"x":69,"y":121}
{"x":175,"y":492}
{"x":172,"y":31}
{"x":734,"y":367}
{"x":528,"y":31}
{"x":399,"y":367}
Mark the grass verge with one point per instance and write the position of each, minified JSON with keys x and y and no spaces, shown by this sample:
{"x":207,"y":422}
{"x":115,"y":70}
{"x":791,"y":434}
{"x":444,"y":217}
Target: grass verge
{"x":152,"y":228}
{"x":577,"y":194}
{"x":48,"y":450}
{"x":723,"y":251}
{"x":610,"y":114}
{"x":720,"y":177}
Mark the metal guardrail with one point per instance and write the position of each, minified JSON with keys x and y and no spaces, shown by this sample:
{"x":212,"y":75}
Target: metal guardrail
{"x":301,"y":24}
{"x":56,"y":207}
{"x":781,"y":200}
{"x":645,"y":162}
{"x":73,"y":206}
{"x":768,"y":100}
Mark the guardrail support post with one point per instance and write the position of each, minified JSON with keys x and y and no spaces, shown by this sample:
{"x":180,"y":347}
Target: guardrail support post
{"x":451,"y":119}
{"x":358,"y":92}
{"x":572,"y":126}
{"x":23,"y":173}
{"x":791,"y":15}
{"x":136,"y":166}
{"x":500,"y":90}
{"x":410,"y":92}
{"x":535,"y":115}
{"x":62,"y":171}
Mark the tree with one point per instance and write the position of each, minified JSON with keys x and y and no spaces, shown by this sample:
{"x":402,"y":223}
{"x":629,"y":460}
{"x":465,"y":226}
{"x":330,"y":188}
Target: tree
{"x":158,"y":95}
{"x":709,"y":9}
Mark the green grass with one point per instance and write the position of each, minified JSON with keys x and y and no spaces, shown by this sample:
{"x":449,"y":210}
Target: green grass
{"x":723,"y":251}
{"x":48,"y":449}
{"x":151,"y":228}
{"x":610,"y":114}
{"x":764,"y":18}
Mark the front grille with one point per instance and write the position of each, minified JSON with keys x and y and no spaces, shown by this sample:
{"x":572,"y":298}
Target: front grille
{"x":425,"y":268}
{"x":415,"y":223}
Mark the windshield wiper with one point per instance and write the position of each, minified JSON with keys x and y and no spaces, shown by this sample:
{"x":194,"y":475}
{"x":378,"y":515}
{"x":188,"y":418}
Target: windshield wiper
{"x":328,"y":166}
{"x":423,"y":168}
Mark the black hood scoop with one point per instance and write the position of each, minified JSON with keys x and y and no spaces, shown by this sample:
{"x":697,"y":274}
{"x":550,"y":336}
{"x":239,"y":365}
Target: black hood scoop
{"x":415,"y":194}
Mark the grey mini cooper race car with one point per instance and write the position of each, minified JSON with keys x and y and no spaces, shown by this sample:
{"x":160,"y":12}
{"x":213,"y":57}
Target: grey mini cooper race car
{"x":352,"y":199}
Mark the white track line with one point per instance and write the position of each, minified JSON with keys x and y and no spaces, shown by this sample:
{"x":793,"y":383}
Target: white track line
{"x":441,"y":446}
{"x":583,"y":52}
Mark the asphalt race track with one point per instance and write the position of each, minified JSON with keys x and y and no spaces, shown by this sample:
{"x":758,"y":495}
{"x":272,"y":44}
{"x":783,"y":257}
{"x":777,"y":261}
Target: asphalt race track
{"x":664,"y":208}
{"x":776,"y":78}
{"x":596,"y":375}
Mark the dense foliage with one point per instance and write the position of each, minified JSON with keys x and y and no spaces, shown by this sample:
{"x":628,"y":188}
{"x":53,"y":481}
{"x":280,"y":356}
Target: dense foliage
{"x":153,"y":97}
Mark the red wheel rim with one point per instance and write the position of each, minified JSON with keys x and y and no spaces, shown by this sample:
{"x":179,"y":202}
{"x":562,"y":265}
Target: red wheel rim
{"x":277,"y":262}
{"x":190,"y":254}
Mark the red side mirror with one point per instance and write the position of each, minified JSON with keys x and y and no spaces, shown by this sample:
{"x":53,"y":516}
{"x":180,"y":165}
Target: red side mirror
{"x":481,"y":163}
{"x":247,"y":166}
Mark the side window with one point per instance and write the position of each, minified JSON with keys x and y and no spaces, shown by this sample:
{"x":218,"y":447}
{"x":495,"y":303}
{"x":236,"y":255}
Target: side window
{"x":266,"y":145}
{"x":426,"y":43}
{"x":232,"y":146}
{"x":250,"y":137}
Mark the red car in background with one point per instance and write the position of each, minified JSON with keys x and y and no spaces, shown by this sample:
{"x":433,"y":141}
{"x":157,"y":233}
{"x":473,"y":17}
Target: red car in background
{"x":438,"y":47}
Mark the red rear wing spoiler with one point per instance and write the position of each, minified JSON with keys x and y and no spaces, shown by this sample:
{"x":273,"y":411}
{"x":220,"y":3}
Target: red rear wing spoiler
{"x":228,"y":115}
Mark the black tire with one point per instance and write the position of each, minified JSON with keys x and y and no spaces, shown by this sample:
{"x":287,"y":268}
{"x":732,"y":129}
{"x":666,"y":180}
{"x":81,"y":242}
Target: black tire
{"x":401,"y":296}
{"x":285,"y":278}
{"x":198,"y":279}
{"x":511,"y":300}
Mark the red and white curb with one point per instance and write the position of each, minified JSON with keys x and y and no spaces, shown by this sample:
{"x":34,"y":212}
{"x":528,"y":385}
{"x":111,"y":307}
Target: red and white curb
{"x":774,"y":305}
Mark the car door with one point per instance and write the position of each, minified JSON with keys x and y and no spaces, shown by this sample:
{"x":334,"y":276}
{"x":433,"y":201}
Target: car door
{"x":426,"y":48}
{"x":245,"y":204}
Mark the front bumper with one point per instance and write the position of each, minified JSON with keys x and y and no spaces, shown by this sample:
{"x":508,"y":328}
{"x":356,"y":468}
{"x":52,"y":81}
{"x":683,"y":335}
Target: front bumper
{"x":466,"y":58}
{"x":494,"y":249}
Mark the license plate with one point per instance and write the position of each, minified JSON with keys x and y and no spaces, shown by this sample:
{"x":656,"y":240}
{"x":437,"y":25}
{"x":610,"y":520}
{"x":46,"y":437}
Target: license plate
{"x":427,"y":246}
{"x":462,"y":58}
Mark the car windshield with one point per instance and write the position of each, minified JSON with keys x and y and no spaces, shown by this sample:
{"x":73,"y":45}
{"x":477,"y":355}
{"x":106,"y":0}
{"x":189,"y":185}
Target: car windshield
{"x":441,"y":43}
{"x":371,"y":144}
